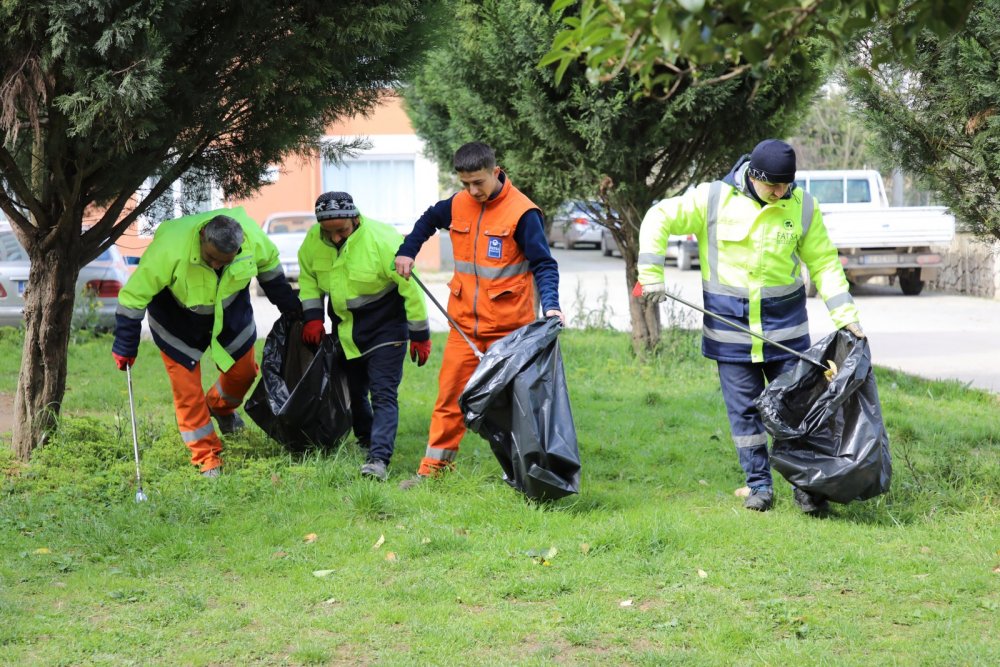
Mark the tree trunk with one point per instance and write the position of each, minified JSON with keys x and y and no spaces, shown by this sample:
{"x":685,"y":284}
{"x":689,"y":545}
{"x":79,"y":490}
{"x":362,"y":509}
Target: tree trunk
{"x":48,"y":313}
{"x":645,"y":317}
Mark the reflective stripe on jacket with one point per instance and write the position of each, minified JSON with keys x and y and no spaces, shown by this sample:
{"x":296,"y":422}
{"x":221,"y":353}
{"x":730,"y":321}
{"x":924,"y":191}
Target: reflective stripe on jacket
{"x":190,"y":306}
{"x":751,"y":265}
{"x":371,"y":305}
{"x":492,"y":289}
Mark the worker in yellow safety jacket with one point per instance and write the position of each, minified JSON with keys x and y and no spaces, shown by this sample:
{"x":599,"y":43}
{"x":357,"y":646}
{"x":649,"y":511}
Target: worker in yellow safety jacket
{"x":350,"y":260}
{"x":756,"y":231}
{"x":193,"y":285}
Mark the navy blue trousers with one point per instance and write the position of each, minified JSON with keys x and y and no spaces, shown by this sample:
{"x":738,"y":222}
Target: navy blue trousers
{"x":376,"y":374}
{"x":741,"y":384}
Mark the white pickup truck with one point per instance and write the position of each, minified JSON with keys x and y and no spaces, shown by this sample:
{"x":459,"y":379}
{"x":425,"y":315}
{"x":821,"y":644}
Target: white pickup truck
{"x":873,"y":238}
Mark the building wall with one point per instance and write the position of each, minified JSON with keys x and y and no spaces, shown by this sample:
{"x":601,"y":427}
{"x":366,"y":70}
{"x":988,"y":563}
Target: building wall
{"x":300,"y":180}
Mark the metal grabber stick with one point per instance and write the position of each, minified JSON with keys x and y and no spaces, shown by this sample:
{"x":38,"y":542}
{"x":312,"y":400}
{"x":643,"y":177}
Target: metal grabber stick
{"x":454,"y":324}
{"x":139,"y":495}
{"x":740,"y":327}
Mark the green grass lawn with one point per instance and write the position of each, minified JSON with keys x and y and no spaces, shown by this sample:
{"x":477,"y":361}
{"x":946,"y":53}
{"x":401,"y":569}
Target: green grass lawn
{"x":299,"y":562}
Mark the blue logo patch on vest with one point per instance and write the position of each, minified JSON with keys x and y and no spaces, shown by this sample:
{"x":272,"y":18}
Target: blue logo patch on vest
{"x":495,"y":248}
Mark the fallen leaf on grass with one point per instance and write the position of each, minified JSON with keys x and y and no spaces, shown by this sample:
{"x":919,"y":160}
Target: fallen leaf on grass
{"x":742,"y":492}
{"x":310,"y":538}
{"x":996,"y":570}
{"x":330,"y":601}
{"x":585,"y":548}
{"x":391,"y":556}
{"x":379,"y":542}
{"x":279,"y":554}
{"x":43,"y":550}
{"x":702,"y":574}
{"x":322,"y":573}
{"x":426,"y":540}
{"x":542,"y":556}
{"x":703,"y":482}
{"x":625,"y":603}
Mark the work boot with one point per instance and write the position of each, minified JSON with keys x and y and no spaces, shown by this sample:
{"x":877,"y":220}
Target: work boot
{"x":412,"y":482}
{"x":229,"y":424}
{"x":212,"y":473}
{"x":810,"y":504}
{"x":761,"y":499}
{"x":376,"y":470}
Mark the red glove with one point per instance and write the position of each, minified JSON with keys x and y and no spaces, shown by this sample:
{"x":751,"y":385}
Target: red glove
{"x":123,"y":362}
{"x":313,"y":332}
{"x":419,"y":351}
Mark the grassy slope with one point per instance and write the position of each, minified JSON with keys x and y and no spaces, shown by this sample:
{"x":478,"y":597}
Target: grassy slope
{"x":655,"y":561}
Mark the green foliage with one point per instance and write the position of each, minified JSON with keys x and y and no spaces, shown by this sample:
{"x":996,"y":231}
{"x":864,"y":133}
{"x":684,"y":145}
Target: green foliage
{"x":287,"y":560}
{"x":663,"y":42}
{"x":831,"y":136}
{"x":938,"y":118}
{"x":570,"y":139}
{"x":96,"y":96}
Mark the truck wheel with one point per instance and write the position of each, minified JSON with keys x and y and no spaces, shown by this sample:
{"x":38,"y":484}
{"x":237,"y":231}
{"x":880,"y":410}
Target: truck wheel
{"x":910,"y":282}
{"x":683,"y":259}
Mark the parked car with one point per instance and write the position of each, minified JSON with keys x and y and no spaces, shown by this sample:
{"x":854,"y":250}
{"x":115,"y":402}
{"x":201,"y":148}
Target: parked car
{"x":574,"y":224}
{"x":97,"y":286}
{"x":288,"y":230}
{"x":682,"y":249}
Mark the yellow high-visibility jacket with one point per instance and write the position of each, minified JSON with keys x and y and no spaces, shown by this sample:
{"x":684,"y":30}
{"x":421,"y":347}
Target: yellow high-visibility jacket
{"x":751,"y":265}
{"x":370,"y":304}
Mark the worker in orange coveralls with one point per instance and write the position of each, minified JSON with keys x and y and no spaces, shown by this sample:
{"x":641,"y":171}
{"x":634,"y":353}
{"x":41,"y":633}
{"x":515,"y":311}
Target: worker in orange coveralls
{"x":499,"y":246}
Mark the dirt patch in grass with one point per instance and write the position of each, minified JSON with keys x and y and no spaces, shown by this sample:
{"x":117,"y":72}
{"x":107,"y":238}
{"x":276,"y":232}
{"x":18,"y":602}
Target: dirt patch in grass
{"x":6,"y":413}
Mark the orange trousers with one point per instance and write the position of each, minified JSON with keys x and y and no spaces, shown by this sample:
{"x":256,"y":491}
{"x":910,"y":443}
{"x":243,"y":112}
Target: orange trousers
{"x":194,"y":409}
{"x":458,"y":363}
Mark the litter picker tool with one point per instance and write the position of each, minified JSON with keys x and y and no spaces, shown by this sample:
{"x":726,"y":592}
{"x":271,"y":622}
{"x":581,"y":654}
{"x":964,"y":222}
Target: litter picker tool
{"x":139,"y":495}
{"x":453,"y":323}
{"x":829,"y":370}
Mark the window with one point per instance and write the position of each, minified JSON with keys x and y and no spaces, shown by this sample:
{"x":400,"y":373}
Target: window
{"x":858,"y":191}
{"x":10,"y":249}
{"x":382,"y":187}
{"x":827,"y":190}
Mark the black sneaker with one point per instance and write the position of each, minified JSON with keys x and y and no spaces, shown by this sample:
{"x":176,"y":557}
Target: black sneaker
{"x":761,"y":499}
{"x":810,"y":504}
{"x":229,"y":424}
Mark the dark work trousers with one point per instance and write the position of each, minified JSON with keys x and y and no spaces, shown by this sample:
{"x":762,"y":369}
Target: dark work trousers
{"x":741,"y":384}
{"x":378,"y":373}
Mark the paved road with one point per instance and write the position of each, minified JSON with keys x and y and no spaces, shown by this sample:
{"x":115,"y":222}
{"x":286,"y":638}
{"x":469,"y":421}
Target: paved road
{"x":936,"y":336}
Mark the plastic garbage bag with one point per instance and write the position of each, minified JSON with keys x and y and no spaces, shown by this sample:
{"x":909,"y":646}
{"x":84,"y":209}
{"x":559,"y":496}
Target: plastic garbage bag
{"x":829,"y":438}
{"x":517,"y":400}
{"x":301,"y":399}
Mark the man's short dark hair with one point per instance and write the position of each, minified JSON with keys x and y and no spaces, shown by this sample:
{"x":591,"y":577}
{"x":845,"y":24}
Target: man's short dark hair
{"x":475,"y":156}
{"x":224,"y":233}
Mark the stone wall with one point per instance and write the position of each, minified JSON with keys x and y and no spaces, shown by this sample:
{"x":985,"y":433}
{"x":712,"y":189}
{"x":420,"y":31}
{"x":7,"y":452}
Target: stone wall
{"x":970,"y":267}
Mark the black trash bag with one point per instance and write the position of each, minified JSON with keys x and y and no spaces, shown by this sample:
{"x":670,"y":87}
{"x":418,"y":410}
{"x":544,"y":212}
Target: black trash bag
{"x":829,"y":439}
{"x":517,"y":400}
{"x":301,"y":400}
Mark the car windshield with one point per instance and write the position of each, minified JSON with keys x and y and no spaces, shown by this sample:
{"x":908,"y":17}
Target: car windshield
{"x":10,"y":249}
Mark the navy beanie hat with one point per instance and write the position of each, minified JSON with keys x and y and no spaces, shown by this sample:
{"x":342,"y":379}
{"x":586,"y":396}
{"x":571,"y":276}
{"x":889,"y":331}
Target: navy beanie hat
{"x":772,"y":161}
{"x":335,"y":205}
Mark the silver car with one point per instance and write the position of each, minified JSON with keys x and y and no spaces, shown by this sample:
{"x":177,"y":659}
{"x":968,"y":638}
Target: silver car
{"x":97,"y":286}
{"x":288,"y":231}
{"x":574,"y":225}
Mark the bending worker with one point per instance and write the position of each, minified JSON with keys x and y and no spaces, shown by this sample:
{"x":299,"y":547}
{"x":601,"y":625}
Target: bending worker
{"x":193,"y":280}
{"x":755,"y":232}
{"x":499,"y":244}
{"x":349,"y":258}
